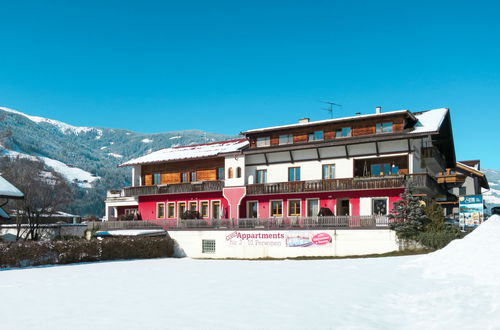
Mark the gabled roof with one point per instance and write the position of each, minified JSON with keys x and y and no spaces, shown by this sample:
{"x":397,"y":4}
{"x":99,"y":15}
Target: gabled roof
{"x":472,"y":171}
{"x":429,"y":121}
{"x":328,"y":121}
{"x":206,"y":150}
{"x":426,"y":121}
{"x":7,"y":190}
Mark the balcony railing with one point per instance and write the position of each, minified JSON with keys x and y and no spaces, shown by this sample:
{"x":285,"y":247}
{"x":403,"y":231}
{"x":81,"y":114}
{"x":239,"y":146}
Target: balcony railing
{"x":177,"y":188}
{"x":420,"y":180}
{"x":285,"y":223}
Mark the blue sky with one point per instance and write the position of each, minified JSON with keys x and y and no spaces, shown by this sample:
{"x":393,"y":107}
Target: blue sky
{"x":228,"y":66}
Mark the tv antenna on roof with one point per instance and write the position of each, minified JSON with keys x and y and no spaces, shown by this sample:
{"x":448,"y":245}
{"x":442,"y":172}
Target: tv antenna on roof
{"x":330,"y":108}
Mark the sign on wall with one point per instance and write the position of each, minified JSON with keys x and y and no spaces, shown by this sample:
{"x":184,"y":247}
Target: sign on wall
{"x":471,"y":210}
{"x":291,"y":239}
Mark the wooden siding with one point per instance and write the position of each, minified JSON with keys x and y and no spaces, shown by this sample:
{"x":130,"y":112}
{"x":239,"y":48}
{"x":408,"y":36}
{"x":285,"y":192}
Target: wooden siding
{"x":358,"y":128}
{"x":206,"y":175}
{"x":170,"y":173}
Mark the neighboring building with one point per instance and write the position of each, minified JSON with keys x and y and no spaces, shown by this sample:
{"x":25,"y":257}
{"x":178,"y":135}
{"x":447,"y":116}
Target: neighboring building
{"x":8,"y":191}
{"x":351,"y":166}
{"x":464,"y":179}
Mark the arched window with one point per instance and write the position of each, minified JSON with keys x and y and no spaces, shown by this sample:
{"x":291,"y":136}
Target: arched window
{"x":238,"y":172}
{"x":230,"y":173}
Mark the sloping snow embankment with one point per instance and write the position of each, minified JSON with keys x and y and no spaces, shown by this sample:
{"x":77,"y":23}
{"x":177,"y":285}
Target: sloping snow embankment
{"x":476,"y":256}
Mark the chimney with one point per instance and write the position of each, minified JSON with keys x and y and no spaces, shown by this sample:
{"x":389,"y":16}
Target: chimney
{"x":303,"y":120}
{"x":378,"y":110}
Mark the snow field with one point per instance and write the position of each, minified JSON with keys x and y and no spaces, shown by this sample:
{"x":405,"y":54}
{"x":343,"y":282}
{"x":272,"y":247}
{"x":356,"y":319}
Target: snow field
{"x":442,"y":290}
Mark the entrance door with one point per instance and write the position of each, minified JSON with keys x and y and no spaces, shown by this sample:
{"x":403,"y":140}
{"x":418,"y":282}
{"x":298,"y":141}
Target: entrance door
{"x":343,"y":207}
{"x":312,"y":207}
{"x":252,"y":209}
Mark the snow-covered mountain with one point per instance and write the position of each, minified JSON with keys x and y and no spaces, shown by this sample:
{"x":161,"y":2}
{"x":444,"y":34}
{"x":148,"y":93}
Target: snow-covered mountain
{"x":86,"y":156}
{"x":492,"y":196}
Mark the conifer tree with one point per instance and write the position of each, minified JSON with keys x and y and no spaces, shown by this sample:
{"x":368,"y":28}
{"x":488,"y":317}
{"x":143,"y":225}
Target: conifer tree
{"x":408,"y":218}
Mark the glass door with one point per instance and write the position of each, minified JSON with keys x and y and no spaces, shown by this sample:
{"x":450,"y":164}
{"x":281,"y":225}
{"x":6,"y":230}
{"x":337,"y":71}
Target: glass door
{"x":312,"y":207}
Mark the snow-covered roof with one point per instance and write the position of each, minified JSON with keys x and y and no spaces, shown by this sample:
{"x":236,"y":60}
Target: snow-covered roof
{"x":7,"y":190}
{"x":190,"y":152}
{"x":327,"y":121}
{"x":429,"y":121}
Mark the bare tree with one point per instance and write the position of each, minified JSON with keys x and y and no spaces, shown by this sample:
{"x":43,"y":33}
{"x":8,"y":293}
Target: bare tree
{"x":45,"y":193}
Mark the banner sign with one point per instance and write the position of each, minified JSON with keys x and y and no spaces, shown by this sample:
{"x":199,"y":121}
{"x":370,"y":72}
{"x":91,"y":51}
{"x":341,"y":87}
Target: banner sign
{"x":471,"y":210}
{"x":279,"y":238}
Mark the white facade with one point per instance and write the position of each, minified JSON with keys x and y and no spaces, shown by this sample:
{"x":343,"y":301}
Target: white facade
{"x":234,"y":162}
{"x":228,"y":245}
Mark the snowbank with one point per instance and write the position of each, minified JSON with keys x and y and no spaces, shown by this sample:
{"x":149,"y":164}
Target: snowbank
{"x":476,"y":256}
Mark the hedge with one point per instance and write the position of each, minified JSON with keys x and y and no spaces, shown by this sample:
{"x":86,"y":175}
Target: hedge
{"x":438,"y":239}
{"x":29,"y":253}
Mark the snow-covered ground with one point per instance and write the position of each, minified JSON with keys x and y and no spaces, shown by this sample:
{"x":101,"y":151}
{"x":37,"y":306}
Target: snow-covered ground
{"x":455,"y":288}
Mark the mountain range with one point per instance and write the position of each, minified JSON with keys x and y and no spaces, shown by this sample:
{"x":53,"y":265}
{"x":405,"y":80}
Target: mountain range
{"x":86,"y":156}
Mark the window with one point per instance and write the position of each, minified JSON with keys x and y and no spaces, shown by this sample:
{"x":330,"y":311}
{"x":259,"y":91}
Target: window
{"x":263,"y":141}
{"x":384,"y":127}
{"x":216,"y":210}
{"x":276,"y":208}
{"x":230,"y":173}
{"x":286,"y":139}
{"x":130,"y":212}
{"x":312,"y":207}
{"x":207,"y":246}
{"x":343,"y":132}
{"x":160,"y":210}
{"x":316,"y":136}
{"x":171,"y":210}
{"x":380,"y":206}
{"x":193,"y":176}
{"x":156,"y":178}
{"x":193,"y":206}
{"x":204,"y":209}
{"x":294,"y":174}
{"x":381,"y":169}
{"x":294,"y":207}
{"x":184,"y":177}
{"x":261,"y":176}
{"x":238,"y":172}
{"x":220,"y":173}
{"x":329,"y":171}
{"x":181,"y":209}
{"x":252,"y":209}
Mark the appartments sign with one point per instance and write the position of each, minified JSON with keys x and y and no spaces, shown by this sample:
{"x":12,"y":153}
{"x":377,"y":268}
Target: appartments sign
{"x":280,"y":238}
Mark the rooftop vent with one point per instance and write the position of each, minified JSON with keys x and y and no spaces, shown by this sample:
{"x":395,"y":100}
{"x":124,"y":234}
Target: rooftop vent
{"x":303,"y":120}
{"x":378,"y":110}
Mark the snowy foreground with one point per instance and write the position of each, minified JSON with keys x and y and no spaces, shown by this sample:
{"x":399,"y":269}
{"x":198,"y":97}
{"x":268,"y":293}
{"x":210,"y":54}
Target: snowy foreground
{"x":455,"y":288}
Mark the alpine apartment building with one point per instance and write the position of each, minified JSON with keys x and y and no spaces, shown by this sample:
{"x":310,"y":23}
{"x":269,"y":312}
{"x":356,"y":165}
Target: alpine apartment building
{"x":350,"y":166}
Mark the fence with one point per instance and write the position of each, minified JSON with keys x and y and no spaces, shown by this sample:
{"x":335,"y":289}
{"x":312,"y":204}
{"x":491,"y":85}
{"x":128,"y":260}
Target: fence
{"x":331,"y":222}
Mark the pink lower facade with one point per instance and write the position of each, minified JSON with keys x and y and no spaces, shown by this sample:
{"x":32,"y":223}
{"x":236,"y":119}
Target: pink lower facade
{"x":232,"y":203}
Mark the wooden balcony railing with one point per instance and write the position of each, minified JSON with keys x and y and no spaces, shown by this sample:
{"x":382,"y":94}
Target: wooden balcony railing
{"x":330,"y":222}
{"x":177,"y":188}
{"x":420,"y":181}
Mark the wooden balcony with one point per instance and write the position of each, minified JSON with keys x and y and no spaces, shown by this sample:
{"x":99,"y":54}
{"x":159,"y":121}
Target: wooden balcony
{"x":421,"y":181}
{"x":451,"y":176}
{"x":177,"y":188}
